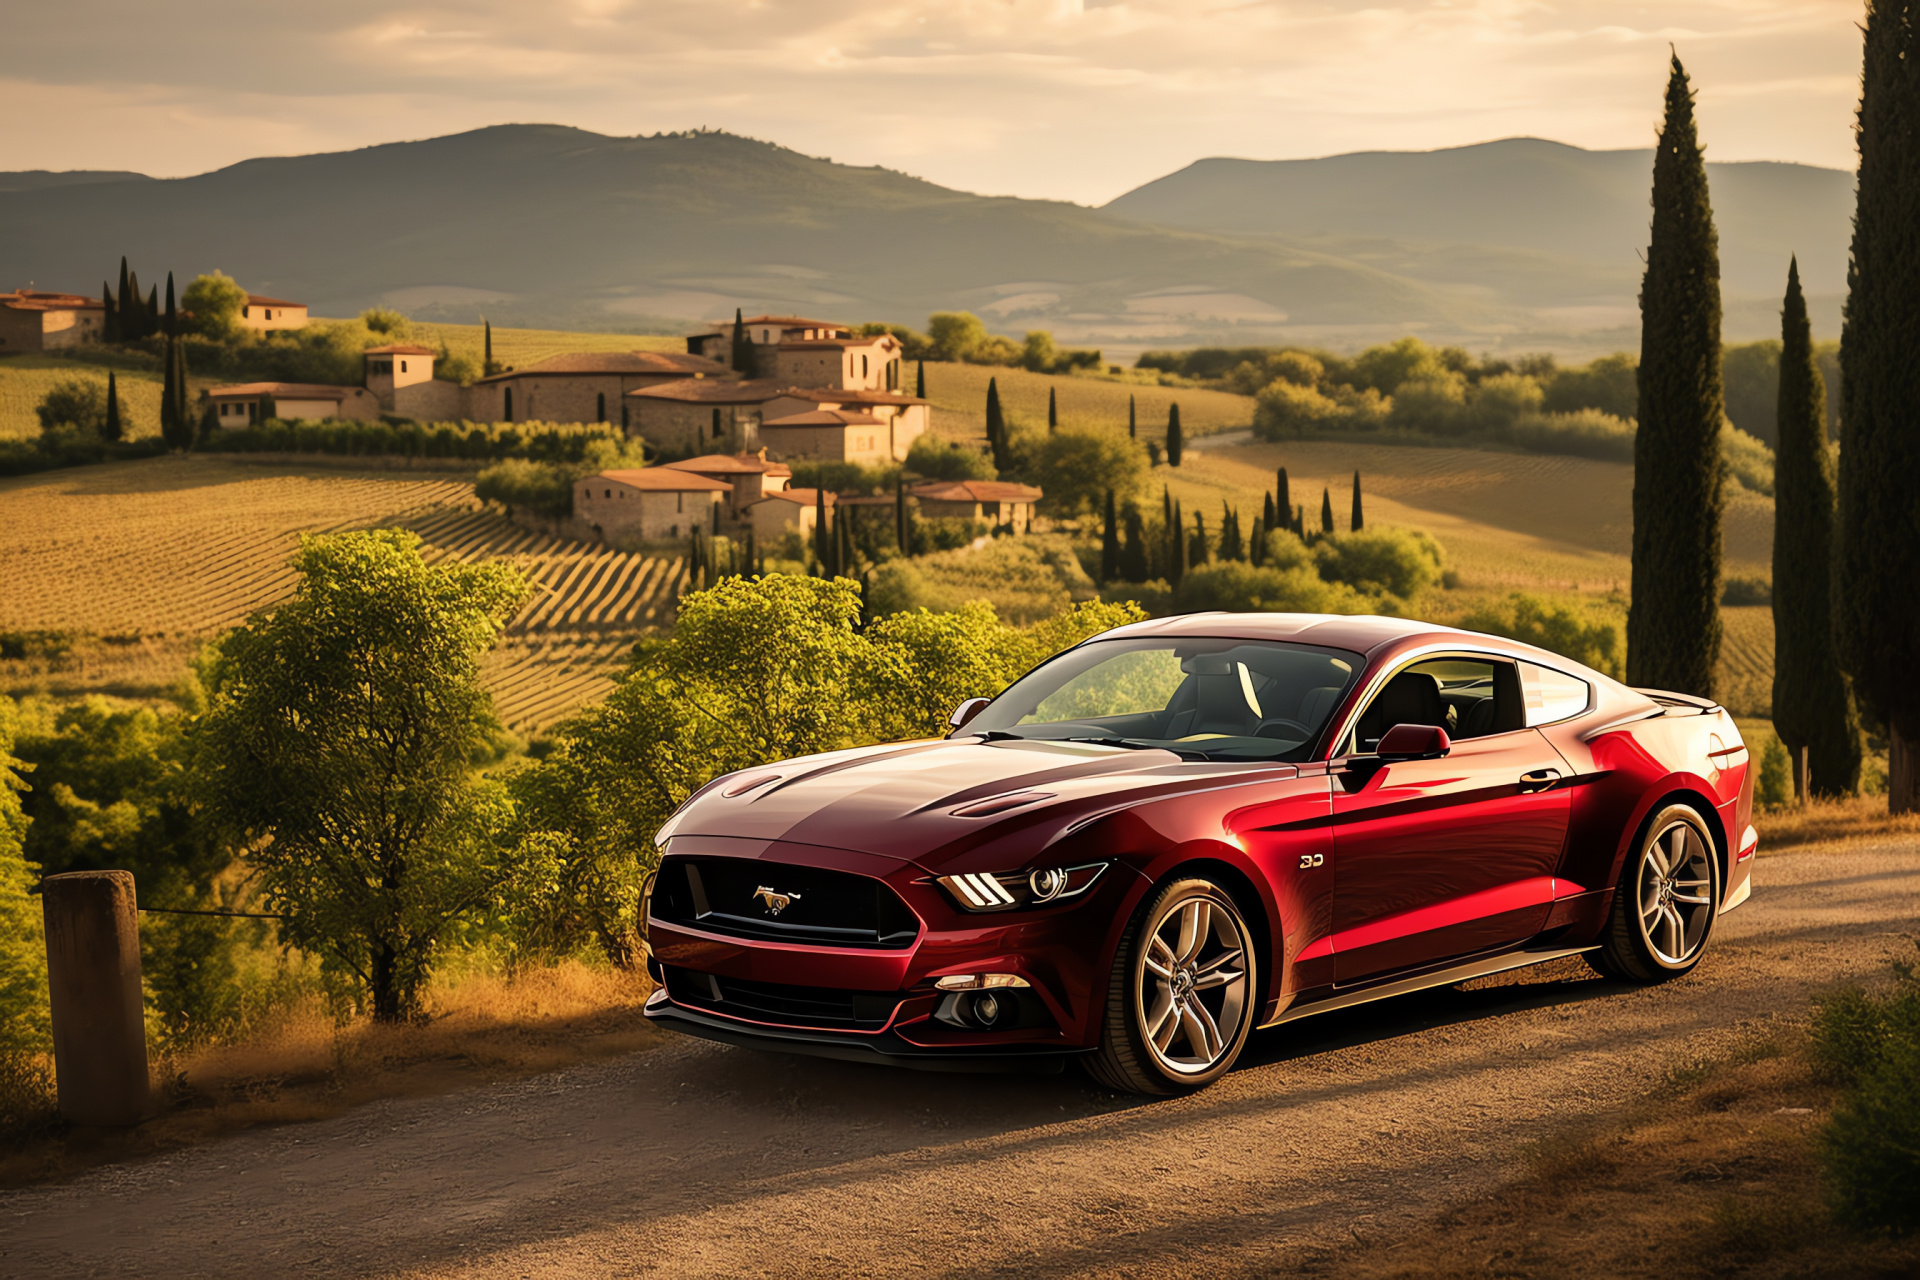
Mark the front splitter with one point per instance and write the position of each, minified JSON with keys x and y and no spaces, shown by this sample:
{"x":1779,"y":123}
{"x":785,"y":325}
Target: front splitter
{"x":884,"y":1048}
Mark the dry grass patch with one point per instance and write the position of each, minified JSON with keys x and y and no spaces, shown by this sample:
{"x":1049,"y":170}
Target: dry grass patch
{"x":484,"y":1028}
{"x":1715,"y":1175}
{"x":1830,"y":821}
{"x":959,"y":395}
{"x":522,"y":347}
{"x":25,"y":381}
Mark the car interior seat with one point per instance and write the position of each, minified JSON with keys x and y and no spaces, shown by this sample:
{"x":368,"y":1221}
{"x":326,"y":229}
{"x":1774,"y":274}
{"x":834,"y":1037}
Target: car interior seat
{"x":1412,"y":697}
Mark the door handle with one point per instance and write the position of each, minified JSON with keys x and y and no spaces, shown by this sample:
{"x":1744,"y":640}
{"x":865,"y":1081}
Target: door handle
{"x":1539,"y":780}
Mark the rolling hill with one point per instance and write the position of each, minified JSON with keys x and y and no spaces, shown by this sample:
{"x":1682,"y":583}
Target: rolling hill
{"x":1518,"y":244}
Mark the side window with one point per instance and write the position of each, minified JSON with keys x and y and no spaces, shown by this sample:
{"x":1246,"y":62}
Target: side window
{"x":1552,"y":696}
{"x":1468,"y":697}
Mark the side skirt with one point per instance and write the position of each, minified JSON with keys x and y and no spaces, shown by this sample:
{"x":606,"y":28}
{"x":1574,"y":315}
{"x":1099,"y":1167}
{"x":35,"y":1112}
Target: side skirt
{"x":1426,"y":981}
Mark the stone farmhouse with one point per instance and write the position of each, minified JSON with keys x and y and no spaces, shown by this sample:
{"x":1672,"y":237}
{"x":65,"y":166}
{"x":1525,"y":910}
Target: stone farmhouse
{"x":239,"y":406}
{"x":648,"y":503}
{"x":262,"y":314}
{"x":36,"y":320}
{"x":586,"y":387}
{"x":998,"y":502}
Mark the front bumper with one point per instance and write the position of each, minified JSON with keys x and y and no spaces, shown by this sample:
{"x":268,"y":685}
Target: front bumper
{"x":884,"y":1048}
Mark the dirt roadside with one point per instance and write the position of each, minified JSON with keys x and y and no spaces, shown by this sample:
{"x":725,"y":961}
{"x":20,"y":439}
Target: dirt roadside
{"x":702,"y":1160}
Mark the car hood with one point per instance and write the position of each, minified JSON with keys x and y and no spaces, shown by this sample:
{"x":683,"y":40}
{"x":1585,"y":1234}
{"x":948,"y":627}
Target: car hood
{"x":922,"y":801}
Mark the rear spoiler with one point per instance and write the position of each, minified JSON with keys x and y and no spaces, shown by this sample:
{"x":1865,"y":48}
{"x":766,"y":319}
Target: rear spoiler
{"x":1680,"y":702}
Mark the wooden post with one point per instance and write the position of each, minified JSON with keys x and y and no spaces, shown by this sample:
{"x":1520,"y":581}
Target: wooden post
{"x":1806,"y":779}
{"x":93,"y":978}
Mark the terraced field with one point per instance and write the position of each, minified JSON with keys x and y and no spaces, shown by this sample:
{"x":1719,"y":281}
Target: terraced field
{"x":146,"y":560}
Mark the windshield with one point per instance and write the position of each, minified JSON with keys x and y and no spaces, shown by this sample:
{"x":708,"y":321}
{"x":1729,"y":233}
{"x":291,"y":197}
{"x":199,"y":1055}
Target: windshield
{"x":1206,"y":699}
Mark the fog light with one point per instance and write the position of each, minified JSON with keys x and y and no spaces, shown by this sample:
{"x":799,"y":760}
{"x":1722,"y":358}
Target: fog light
{"x":978,"y":981}
{"x":986,"y":1009}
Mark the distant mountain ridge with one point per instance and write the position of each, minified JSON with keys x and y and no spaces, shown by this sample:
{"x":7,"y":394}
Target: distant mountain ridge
{"x":36,"y":179}
{"x":550,"y":225}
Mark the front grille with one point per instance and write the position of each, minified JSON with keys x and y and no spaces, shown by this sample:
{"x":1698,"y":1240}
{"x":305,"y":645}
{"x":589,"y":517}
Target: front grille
{"x":743,"y":897}
{"x":828,"y":1008}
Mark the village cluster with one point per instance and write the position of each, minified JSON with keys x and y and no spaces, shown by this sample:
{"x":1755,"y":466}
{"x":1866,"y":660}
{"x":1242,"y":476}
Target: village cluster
{"x":800,"y":390}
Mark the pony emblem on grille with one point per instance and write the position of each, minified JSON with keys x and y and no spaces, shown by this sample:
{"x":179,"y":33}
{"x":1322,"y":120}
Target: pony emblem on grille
{"x":774,"y":901}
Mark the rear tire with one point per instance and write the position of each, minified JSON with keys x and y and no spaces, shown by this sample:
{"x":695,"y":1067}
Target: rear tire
{"x":1665,"y":903}
{"x":1183,"y":993}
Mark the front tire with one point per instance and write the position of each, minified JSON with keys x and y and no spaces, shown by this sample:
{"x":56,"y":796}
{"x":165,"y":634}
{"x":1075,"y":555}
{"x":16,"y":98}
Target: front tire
{"x":1666,"y":901}
{"x":1183,"y":994}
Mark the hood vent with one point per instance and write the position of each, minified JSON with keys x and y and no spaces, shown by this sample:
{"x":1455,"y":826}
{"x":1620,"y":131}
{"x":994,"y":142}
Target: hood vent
{"x":1001,"y":804}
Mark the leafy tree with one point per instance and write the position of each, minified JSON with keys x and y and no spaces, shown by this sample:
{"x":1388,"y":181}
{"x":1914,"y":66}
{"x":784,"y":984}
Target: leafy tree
{"x":213,"y":302}
{"x":956,"y":336}
{"x":1176,"y":441}
{"x":1812,"y":704}
{"x":1074,"y":468}
{"x":1570,"y":627}
{"x":1357,"y":521}
{"x":938,"y":459}
{"x":23,"y":949}
{"x":1673,"y":622}
{"x":73,"y":402}
{"x":338,"y":747}
{"x":1395,"y":562}
{"x":1610,"y":384}
{"x":1877,"y":559}
{"x":388,"y":323}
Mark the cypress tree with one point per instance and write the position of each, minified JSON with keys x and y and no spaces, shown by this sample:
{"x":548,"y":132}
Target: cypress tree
{"x":1300,"y":521}
{"x":124,"y":328}
{"x":1673,"y":620}
{"x":268,"y":409}
{"x":1812,"y":706}
{"x":1175,"y":441}
{"x":920,"y":380}
{"x":902,"y":535}
{"x":1257,"y":545}
{"x":1053,"y":412}
{"x":820,"y":530}
{"x":130,"y":309}
{"x":1359,"y":521}
{"x":173,"y":316}
{"x":1266,"y":509}
{"x":182,"y":407}
{"x":150,"y":322}
{"x":1135,"y":563}
{"x":1133,"y":420}
{"x":997,"y":428}
{"x":1326,"y":511}
{"x":170,"y":425}
{"x":1877,"y":557}
{"x":1232,"y":546}
{"x":1110,"y":544}
{"x":1176,"y":548}
{"x":114,"y":429}
{"x":110,"y":317}
{"x":1282,"y":493}
{"x":1201,"y":552}
{"x":486,"y":359}
{"x":742,"y":360}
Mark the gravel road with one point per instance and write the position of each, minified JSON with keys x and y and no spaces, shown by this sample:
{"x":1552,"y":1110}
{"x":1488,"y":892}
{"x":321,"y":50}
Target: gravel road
{"x":697,"y":1159}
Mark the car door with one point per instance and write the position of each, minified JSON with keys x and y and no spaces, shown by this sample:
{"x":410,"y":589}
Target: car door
{"x":1443,"y":858}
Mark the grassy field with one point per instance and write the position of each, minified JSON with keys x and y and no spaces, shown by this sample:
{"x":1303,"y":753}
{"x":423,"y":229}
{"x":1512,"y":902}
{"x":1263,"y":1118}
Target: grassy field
{"x":522,"y":347}
{"x":25,"y":381}
{"x":147,"y":560}
{"x":959,"y":395}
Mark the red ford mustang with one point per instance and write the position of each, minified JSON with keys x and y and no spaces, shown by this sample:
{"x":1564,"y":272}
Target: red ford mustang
{"x":1187,"y":828}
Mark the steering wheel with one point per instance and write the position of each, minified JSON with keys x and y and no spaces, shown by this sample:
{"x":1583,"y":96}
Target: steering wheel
{"x":1281,"y":722}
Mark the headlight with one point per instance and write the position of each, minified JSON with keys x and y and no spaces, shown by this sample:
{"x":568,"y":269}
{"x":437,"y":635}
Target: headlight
{"x":981,"y":891}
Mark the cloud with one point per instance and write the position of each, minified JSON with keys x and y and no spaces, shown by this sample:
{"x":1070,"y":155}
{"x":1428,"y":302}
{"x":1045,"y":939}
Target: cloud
{"x":1063,"y":98}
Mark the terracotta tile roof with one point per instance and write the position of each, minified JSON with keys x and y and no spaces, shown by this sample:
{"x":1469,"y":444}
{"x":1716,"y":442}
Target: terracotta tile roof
{"x":824,"y":418}
{"x":42,"y":300}
{"x":852,"y":395}
{"x":661,"y":480}
{"x":262,"y":300}
{"x":287,"y":390}
{"x":732,"y":464}
{"x":576,"y":363}
{"x":401,"y":349}
{"x":712,"y":391}
{"x":975,"y":491}
{"x":799,"y":497}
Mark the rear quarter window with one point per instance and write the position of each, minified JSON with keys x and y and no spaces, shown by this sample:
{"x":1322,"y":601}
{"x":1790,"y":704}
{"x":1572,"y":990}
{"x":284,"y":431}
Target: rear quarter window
{"x":1551,"y":695}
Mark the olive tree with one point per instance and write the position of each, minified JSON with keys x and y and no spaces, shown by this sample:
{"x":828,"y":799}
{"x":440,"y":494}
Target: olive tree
{"x":338,"y":748}
{"x":213,"y":303}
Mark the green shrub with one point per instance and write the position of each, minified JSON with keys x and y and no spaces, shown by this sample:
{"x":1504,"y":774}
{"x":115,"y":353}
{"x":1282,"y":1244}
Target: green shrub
{"x":1746,"y":591}
{"x":1871,"y":1148}
{"x":1747,"y":459}
{"x":1380,"y":561}
{"x":1583,"y":433}
{"x":937,"y":459}
{"x":1592,"y":635}
{"x":1609,"y":385}
{"x":1287,"y":409}
{"x":1774,"y":787}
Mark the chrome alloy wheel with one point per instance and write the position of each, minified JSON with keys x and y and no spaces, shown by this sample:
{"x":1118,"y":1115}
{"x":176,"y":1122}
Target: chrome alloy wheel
{"x":1676,"y":893}
{"x":1191,"y":985}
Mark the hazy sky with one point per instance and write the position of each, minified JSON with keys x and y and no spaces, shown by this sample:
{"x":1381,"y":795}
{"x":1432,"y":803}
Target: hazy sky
{"x":1076,"y":99}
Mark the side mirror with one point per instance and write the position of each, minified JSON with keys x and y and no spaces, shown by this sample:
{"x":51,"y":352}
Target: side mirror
{"x":967,"y":711}
{"x":1414,"y":742}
